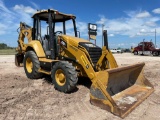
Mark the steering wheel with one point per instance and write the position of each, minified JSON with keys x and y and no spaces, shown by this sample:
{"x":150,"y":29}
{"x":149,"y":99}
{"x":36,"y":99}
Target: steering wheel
{"x":58,"y":32}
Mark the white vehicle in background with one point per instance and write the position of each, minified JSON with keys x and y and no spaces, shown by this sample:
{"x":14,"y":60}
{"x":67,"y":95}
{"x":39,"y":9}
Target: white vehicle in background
{"x":116,"y":51}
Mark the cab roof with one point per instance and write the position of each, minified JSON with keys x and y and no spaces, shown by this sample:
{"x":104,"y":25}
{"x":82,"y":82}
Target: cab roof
{"x":59,"y":17}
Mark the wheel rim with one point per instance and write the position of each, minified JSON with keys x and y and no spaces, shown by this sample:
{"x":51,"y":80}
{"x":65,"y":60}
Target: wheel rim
{"x":29,"y":65}
{"x":60,"y":77}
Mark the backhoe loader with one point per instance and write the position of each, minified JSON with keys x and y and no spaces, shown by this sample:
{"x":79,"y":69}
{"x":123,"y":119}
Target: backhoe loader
{"x":51,"y":51}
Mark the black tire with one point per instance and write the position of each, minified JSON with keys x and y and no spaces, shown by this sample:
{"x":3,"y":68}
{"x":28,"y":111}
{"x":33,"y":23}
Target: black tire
{"x":135,"y":53}
{"x":70,"y":79}
{"x":155,"y":53}
{"x":32,"y":72}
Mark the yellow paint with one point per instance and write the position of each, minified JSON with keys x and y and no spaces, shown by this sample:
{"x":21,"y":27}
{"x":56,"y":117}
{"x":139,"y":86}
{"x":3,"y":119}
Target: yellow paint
{"x":37,"y":46}
{"x":29,"y":65}
{"x":60,"y":77}
{"x":45,"y":72}
{"x":73,"y":39}
{"x":47,"y":60}
{"x":84,"y":61}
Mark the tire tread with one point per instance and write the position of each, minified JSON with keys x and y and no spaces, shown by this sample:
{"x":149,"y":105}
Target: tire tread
{"x":71,"y":76}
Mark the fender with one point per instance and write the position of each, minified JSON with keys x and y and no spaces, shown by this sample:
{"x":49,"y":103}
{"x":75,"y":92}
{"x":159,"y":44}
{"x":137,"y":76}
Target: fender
{"x":37,"y":47}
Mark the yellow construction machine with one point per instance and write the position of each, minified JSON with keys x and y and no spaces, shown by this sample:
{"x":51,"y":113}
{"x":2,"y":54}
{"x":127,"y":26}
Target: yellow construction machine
{"x":51,"y":51}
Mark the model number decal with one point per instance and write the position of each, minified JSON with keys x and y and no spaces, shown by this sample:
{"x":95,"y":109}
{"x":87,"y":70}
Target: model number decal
{"x":84,"y":62}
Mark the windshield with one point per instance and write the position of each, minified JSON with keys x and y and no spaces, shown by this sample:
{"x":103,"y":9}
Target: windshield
{"x":152,"y":45}
{"x":140,"y":44}
{"x":66,"y":27}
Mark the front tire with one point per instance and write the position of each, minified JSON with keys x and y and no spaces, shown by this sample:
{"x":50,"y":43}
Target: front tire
{"x":31,"y":65}
{"x":64,"y":77}
{"x":135,"y":53}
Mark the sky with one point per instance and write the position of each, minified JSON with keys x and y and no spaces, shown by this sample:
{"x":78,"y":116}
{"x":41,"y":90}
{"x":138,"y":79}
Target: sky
{"x":128,"y":22}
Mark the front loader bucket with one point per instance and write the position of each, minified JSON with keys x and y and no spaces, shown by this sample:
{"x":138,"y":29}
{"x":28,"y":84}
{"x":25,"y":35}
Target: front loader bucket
{"x":120,"y":90}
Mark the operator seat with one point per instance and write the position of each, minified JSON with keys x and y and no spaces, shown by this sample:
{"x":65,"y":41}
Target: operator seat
{"x":46,"y":45}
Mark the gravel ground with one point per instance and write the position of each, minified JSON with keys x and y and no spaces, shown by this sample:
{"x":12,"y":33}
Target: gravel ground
{"x":25,"y":99}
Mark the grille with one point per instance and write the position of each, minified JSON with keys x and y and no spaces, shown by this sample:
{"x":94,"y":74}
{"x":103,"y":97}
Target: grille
{"x":95,"y":54}
{"x":94,"y":51}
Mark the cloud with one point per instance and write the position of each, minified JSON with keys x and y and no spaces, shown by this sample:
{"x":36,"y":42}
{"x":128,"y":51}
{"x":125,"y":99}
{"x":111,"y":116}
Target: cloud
{"x":143,"y":14}
{"x":3,"y":7}
{"x":111,"y":35}
{"x":131,"y":25}
{"x":149,"y":23}
{"x":156,"y":11}
{"x":35,"y":5}
{"x":102,"y":19}
{"x":138,"y":14}
{"x":6,"y":19}
{"x":143,"y":30}
{"x":26,"y":9}
{"x":83,"y":28}
{"x":121,"y":44}
{"x":11,"y":17}
{"x":2,"y":29}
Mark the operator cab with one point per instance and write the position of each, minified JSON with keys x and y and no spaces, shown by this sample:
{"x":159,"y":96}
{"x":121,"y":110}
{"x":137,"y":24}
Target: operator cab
{"x":47,"y":24}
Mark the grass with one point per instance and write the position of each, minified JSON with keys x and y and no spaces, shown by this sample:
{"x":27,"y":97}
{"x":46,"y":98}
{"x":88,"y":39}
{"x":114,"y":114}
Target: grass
{"x":7,"y":52}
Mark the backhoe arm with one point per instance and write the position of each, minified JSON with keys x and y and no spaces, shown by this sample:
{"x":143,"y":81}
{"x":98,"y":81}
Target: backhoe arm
{"x":25,"y":31}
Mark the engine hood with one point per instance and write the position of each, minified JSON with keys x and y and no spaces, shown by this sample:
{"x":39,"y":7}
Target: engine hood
{"x":73,"y":40}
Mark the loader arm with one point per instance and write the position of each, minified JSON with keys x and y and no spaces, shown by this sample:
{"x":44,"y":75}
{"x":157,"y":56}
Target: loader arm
{"x":106,"y":57}
{"x":107,"y":60}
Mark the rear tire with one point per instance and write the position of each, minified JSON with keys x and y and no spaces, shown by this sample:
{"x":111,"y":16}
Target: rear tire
{"x":155,"y":53}
{"x":135,"y":53}
{"x":64,"y":77}
{"x":31,"y":65}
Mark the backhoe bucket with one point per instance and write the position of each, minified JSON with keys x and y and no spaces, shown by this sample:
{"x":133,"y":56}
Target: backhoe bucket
{"x":120,"y":90}
{"x":19,"y":60}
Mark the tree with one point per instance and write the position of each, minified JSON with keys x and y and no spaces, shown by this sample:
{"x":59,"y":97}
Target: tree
{"x":3,"y":46}
{"x":119,"y":48}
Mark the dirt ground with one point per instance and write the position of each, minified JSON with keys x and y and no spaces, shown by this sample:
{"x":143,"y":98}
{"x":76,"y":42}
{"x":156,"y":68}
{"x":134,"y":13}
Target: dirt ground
{"x":25,"y":99}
